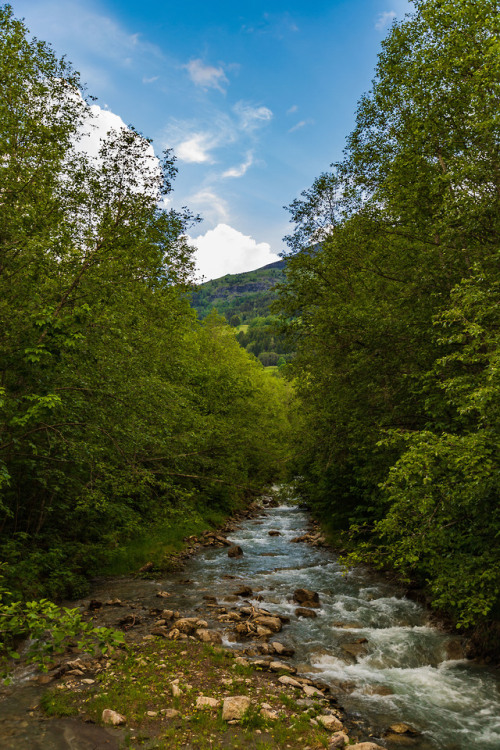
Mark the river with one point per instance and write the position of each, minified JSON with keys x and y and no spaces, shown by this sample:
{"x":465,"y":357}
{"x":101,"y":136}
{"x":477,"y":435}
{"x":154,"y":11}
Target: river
{"x":401,"y":673}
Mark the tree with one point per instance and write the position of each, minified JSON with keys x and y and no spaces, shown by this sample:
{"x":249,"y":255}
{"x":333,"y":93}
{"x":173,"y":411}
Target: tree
{"x":408,"y":228}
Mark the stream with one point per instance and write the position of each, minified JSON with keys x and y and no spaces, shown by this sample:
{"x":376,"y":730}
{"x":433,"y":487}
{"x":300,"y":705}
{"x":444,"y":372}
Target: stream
{"x":402,"y":673}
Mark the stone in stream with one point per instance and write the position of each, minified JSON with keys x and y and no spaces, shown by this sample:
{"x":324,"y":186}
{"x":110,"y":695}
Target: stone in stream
{"x":235,"y":551}
{"x":366,"y":746}
{"x":402,"y":729}
{"x":269,"y":622}
{"x":306,"y":597}
{"x":355,"y":649}
{"x":339,"y":739}
{"x":330,"y":722}
{"x":282,"y":650}
{"x":273,"y":532}
{"x":244,"y":591}
{"x":208,"y":636}
{"x":303,"y":612}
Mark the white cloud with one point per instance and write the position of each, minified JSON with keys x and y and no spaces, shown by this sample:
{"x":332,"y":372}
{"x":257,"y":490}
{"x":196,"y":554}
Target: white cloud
{"x":250,"y":117}
{"x":242,"y":169}
{"x":226,"y":250}
{"x":196,"y":148}
{"x":150,"y":80}
{"x":385,"y":19}
{"x":212,"y":206}
{"x":300,"y":125}
{"x":206,"y":76}
{"x":293,"y":108}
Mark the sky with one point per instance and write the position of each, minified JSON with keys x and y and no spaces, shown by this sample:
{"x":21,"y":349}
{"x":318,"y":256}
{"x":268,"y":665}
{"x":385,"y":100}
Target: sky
{"x":256,"y":99}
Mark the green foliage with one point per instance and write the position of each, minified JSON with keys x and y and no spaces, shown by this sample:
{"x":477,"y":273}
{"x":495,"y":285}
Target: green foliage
{"x":394,"y":314}
{"x":118,"y":407}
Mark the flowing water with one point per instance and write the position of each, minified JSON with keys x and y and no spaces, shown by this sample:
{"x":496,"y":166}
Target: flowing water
{"x":402,"y":673}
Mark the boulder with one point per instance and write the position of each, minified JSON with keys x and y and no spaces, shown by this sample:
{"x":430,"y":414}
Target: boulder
{"x":286,"y":680}
{"x":366,"y":746}
{"x":274,"y":533}
{"x":208,"y":636}
{"x":312,"y":692}
{"x":187,"y":624}
{"x":303,"y":612}
{"x":235,"y":551}
{"x":281,"y":649}
{"x":339,"y":739}
{"x":306,"y":597}
{"x":113,"y":717}
{"x":330,"y":722}
{"x":206,"y":702}
{"x":278,"y":666}
{"x":270,"y":622}
{"x":235,"y":707}
{"x":402,"y":729}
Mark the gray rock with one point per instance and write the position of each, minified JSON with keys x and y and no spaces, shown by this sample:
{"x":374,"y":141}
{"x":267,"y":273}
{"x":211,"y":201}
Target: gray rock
{"x":235,"y":551}
{"x":235,"y":707}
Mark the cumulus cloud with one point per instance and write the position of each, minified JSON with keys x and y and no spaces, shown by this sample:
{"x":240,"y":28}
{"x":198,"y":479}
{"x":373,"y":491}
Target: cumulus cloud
{"x":250,"y":117}
{"x":226,"y":250}
{"x":206,"y":76}
{"x":242,"y":169}
{"x":385,"y":19}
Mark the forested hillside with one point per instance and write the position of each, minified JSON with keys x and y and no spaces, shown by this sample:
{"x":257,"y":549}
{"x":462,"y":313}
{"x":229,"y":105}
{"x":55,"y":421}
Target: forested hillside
{"x":395,"y":319}
{"x":120,"y":410}
{"x":245,"y":300}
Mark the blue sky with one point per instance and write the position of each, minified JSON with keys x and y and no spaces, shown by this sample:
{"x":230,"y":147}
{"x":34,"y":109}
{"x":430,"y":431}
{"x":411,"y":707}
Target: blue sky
{"x":256,"y":99}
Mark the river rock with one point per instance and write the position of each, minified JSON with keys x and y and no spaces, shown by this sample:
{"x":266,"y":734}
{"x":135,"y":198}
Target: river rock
{"x":312,"y":692}
{"x":273,"y":532}
{"x":355,"y":649}
{"x":208,"y":636}
{"x":162,"y":631}
{"x":235,"y":551}
{"x":303,"y":612}
{"x":339,"y":739}
{"x":113,"y":717}
{"x":278,"y":666}
{"x":187,"y":624}
{"x":204,"y":702}
{"x":244,"y":591}
{"x":307,"y":597}
{"x":235,"y":707}
{"x":402,"y":729}
{"x":282,"y":650}
{"x":286,"y":680}
{"x":366,"y":746}
{"x":270,"y":622}
{"x":330,"y":722}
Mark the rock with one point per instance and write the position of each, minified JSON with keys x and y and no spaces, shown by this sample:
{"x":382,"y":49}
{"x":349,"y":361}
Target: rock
{"x":187,"y":624}
{"x":146,"y":568}
{"x":176,"y":691}
{"x":306,"y":597}
{"x":235,"y":707}
{"x":267,"y":621}
{"x":273,"y":532}
{"x":113,"y":717}
{"x":235,"y":551}
{"x":170,"y":713}
{"x":377,"y":690}
{"x":282,"y":650}
{"x":163,"y":594}
{"x":174,"y":634}
{"x":303,"y":612}
{"x":311,"y":691}
{"x":151,"y":713}
{"x":210,"y":599}
{"x":355,"y":649}
{"x":204,"y":701}
{"x":330,"y":722}
{"x":244,"y":591}
{"x":366,"y":746}
{"x":278,"y":666}
{"x":286,"y":680}
{"x":402,"y":729}
{"x":455,"y":650}
{"x":339,"y":739}
{"x":162,"y":631}
{"x":230,"y":617}
{"x":263,"y":632}
{"x":241,"y":661}
{"x":270,"y":715}
{"x":208,"y":636}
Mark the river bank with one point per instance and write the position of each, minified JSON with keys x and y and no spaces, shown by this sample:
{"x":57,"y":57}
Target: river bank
{"x":369,"y":655}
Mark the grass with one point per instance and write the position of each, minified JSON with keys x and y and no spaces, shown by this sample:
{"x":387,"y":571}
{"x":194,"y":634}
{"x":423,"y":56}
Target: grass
{"x":161,"y":540}
{"x":138,"y":681}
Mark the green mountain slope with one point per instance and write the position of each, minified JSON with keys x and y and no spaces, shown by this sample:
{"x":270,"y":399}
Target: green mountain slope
{"x":244,"y":299}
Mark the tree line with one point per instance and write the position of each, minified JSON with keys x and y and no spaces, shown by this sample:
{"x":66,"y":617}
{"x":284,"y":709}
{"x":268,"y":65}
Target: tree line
{"x":394,"y":314}
{"x":118,"y":407}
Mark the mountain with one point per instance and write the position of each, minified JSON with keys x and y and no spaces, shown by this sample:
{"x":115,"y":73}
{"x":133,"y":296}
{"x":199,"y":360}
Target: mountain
{"x":246,"y":295}
{"x":244,"y":299}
